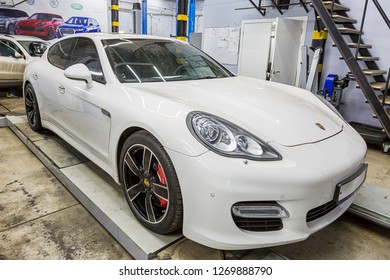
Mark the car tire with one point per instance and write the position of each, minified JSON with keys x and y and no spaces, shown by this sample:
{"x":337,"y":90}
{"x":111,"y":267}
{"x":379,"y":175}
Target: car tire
{"x":150,"y":183}
{"x":11,"y":29}
{"x":51,"y":34}
{"x":32,"y":109}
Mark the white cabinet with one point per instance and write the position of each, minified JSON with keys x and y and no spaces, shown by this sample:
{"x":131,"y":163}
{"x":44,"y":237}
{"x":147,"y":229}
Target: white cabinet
{"x":271,"y":49}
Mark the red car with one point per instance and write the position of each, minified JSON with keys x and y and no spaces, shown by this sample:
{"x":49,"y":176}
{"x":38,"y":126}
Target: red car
{"x":40,"y":25}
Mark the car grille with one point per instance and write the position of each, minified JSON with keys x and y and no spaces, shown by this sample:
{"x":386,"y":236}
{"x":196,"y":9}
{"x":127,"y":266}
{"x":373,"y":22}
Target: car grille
{"x":27,"y":28}
{"x":320,"y":211}
{"x":258,"y":224}
{"x":66,"y":31}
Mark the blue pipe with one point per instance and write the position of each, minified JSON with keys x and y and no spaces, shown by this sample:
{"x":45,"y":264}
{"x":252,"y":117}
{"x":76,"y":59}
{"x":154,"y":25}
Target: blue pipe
{"x":144,"y":17}
{"x":191,"y":16}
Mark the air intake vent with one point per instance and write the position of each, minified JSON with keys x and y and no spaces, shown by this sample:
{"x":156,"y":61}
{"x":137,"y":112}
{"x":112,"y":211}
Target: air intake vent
{"x":257,"y":224}
{"x":320,"y":211}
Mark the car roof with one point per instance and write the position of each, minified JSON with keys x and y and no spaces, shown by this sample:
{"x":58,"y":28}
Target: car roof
{"x":79,"y":17}
{"x":2,"y":8}
{"x":21,"y":37}
{"x":43,"y":13}
{"x":103,"y":36}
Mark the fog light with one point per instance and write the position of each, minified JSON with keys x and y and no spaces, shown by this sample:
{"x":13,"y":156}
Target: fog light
{"x":259,"y":210}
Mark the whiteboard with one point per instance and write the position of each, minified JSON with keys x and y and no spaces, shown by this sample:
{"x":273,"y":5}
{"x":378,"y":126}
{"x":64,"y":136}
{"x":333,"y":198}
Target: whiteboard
{"x":222,"y":44}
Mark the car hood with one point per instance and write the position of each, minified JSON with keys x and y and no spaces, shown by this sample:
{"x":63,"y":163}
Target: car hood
{"x":68,"y":25}
{"x":272,"y":111}
{"x":32,"y":21}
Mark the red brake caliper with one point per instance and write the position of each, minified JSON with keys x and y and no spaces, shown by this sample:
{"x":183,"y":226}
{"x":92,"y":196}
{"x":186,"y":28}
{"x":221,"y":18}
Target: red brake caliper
{"x":163,"y":181}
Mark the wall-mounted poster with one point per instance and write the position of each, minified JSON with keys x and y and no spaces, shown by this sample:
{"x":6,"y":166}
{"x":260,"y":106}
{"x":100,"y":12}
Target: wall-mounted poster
{"x":49,"y":19}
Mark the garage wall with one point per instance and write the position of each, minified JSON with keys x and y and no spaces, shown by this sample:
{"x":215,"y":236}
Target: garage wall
{"x":376,"y":33}
{"x":161,"y":17}
{"x":230,"y":13}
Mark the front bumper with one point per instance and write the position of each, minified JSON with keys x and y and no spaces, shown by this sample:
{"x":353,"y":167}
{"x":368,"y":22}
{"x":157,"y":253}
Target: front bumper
{"x":39,"y":32}
{"x":306,"y":178}
{"x":3,"y":28}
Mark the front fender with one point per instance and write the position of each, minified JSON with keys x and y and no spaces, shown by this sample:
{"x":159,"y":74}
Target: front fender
{"x":165,"y":119}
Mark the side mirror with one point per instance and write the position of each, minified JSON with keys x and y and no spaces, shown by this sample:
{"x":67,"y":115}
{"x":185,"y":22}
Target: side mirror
{"x":17,"y":55}
{"x":79,"y":72}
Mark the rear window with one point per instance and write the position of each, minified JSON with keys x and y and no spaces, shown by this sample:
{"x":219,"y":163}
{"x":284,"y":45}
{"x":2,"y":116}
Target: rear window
{"x":12,"y":13}
{"x":18,"y":14}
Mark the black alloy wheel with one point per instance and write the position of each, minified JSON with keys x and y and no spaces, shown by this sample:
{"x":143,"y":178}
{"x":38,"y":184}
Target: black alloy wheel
{"x":32,"y":109}
{"x":51,"y":33}
{"x":150,"y":183}
{"x":11,"y":29}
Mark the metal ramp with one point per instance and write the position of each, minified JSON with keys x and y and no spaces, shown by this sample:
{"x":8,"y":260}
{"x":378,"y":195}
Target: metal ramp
{"x":95,"y":190}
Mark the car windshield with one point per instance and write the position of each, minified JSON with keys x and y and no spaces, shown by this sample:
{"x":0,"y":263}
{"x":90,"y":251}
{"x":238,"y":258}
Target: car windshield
{"x":34,"y":48}
{"x":156,"y":60}
{"x":78,"y":20}
{"x":41,"y":16}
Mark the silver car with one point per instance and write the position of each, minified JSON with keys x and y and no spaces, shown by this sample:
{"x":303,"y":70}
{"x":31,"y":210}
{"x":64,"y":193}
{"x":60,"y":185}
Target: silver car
{"x":9,"y":18}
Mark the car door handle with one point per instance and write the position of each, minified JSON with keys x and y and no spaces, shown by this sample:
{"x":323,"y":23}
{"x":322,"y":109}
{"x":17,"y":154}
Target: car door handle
{"x":105,"y":112}
{"x":61,"y":89}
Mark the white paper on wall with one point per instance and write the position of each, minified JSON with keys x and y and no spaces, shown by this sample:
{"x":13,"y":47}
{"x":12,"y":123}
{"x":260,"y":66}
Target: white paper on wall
{"x":222,"y":44}
{"x":233,"y":45}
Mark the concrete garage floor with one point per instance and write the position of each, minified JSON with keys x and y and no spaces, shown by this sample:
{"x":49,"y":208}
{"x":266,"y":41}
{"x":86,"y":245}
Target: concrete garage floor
{"x":40,"y":219}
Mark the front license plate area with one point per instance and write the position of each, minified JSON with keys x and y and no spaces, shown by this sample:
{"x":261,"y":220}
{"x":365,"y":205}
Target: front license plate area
{"x":346,"y":188}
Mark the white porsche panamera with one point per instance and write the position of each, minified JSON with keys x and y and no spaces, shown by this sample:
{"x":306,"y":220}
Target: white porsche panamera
{"x":234,"y":162}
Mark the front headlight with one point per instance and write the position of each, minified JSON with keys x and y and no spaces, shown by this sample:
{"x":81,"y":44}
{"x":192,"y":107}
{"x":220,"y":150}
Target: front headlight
{"x":228,"y":139}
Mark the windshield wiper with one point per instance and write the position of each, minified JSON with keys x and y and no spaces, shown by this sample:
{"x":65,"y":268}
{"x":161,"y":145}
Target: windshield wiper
{"x":207,"y":77}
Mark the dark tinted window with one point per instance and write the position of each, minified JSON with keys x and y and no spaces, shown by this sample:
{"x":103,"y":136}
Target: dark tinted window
{"x":153,"y":60}
{"x":4,"y":12}
{"x":85,"y":52}
{"x":59,"y":53}
{"x":12,"y":13}
{"x":34,"y":48}
{"x":8,"y":48}
{"x":41,"y":16}
{"x":21,"y":14}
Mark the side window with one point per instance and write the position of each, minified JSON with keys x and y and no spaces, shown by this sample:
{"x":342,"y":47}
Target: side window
{"x":8,"y":48}
{"x":85,"y":52}
{"x":59,"y":53}
{"x":5,"y":50}
{"x":22,"y":14}
{"x":15,"y":47}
